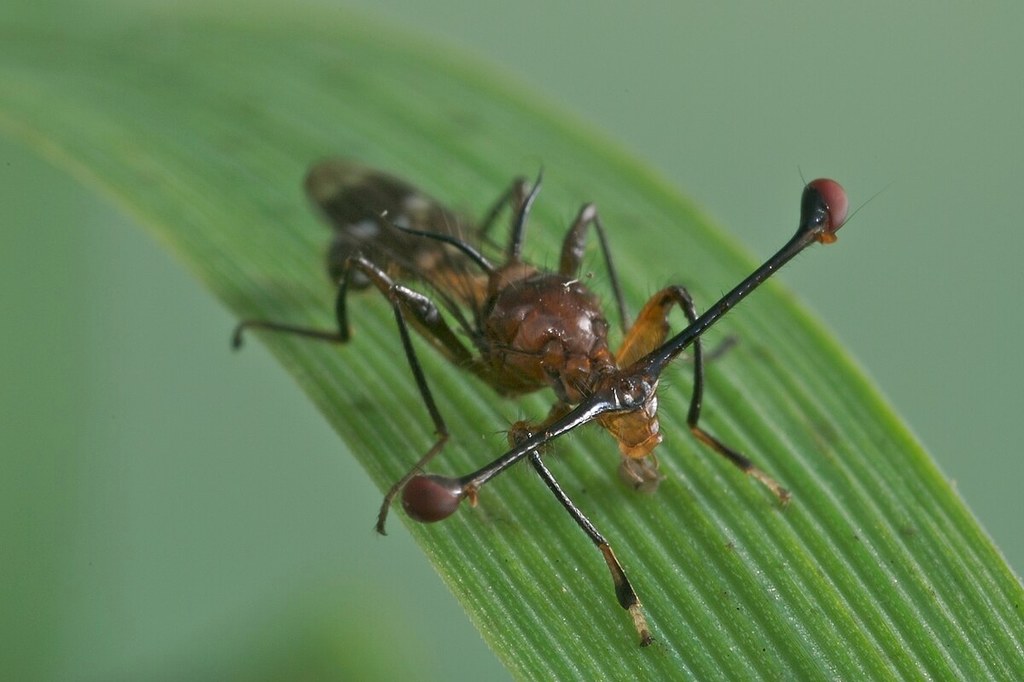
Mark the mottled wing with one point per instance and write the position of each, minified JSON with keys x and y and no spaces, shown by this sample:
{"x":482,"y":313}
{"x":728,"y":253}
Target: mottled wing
{"x":352,"y":198}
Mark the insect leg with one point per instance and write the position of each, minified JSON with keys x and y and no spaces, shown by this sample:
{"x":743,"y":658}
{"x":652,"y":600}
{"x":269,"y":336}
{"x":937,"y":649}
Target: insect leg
{"x":693,"y":416}
{"x":266,"y":325}
{"x":422,"y":314}
{"x":425,"y":315}
{"x":650,"y":329}
{"x":340,"y":335}
{"x":427,"y":319}
{"x":521,"y":430}
{"x":648,"y":333}
{"x":440,"y":428}
{"x":513,"y":196}
{"x":521,"y":211}
{"x":623,"y":589}
{"x":573,"y":247}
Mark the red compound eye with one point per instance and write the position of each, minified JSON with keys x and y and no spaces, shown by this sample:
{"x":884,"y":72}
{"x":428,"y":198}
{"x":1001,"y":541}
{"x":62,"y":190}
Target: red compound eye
{"x":835,"y":198}
{"x":430,"y":498}
{"x":825,"y":205}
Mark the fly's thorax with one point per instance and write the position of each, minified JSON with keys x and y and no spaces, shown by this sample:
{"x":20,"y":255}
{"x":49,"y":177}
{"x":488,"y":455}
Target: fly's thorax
{"x":548,"y":330}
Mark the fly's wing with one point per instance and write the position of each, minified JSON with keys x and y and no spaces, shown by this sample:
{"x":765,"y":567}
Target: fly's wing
{"x":352,"y":199}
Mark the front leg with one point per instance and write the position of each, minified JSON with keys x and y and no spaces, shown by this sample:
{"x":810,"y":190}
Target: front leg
{"x":624,"y":591}
{"x":521,"y":430}
{"x":648,"y":333}
{"x":518,"y":433}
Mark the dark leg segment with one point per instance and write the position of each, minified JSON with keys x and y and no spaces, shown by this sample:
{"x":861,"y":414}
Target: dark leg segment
{"x":423,"y":314}
{"x":512,"y":197}
{"x":693,"y":416}
{"x":649,"y":332}
{"x":427,"y":318}
{"x":573,"y":247}
{"x":522,"y":208}
{"x":623,"y":589}
{"x":319,"y":334}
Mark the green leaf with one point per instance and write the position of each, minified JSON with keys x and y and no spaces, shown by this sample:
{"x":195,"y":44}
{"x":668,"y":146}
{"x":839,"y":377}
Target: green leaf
{"x":202,"y":126}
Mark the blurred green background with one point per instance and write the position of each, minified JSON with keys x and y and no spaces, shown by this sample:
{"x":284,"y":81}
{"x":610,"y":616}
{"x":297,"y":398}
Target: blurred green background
{"x":140,"y":544}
